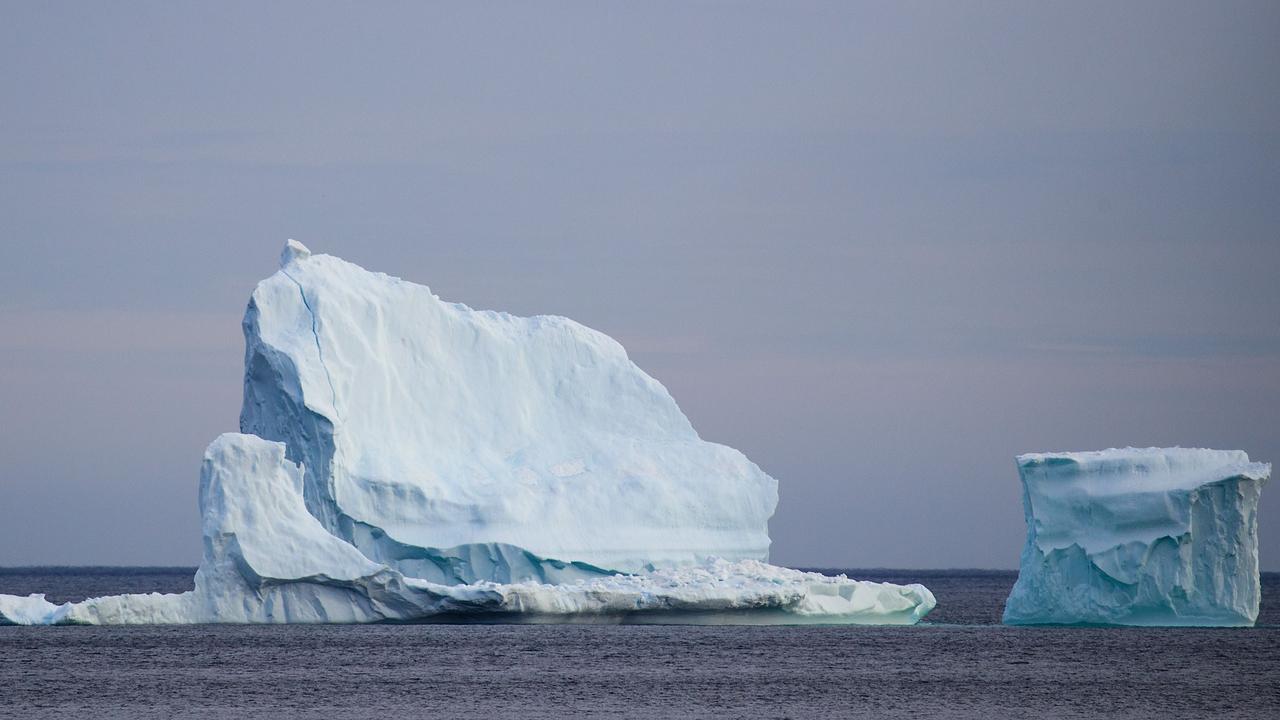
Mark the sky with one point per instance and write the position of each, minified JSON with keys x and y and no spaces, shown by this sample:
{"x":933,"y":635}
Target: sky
{"x":881,"y":248}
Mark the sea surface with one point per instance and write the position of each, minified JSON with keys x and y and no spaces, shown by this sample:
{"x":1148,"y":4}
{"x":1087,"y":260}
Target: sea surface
{"x":960,"y":663}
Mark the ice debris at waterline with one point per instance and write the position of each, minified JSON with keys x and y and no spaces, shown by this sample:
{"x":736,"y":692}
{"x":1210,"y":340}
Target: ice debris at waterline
{"x":1139,"y":537}
{"x":408,"y":459}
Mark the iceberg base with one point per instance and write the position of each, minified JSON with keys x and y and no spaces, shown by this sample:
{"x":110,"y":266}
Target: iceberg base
{"x":267,"y":560}
{"x":719,"y":592}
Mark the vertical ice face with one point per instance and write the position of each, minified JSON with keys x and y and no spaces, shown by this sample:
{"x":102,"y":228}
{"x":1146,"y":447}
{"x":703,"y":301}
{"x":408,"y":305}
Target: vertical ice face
{"x":427,"y":425}
{"x":1139,"y":537}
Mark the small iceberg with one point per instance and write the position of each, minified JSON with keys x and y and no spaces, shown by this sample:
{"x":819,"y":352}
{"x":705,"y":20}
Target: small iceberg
{"x":1157,"y":536}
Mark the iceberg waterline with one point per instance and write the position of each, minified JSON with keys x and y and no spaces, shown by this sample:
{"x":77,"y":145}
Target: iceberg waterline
{"x":407,"y":459}
{"x":1155,"y":536}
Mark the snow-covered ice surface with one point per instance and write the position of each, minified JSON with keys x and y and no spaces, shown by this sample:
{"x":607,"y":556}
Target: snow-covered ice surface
{"x":1150,"y":536}
{"x":408,"y":459}
{"x":426,"y":425}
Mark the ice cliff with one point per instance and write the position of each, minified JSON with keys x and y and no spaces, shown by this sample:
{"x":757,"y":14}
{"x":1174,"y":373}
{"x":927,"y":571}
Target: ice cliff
{"x":426,"y":425}
{"x":1139,"y":537}
{"x":408,"y":459}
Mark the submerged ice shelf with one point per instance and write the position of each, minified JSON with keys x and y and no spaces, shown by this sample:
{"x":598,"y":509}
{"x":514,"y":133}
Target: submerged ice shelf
{"x":1156,"y":536}
{"x":408,"y":459}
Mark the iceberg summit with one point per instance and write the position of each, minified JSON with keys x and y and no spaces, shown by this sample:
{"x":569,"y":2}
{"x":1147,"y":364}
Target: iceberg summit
{"x":406,"y":459}
{"x":1159,"y":536}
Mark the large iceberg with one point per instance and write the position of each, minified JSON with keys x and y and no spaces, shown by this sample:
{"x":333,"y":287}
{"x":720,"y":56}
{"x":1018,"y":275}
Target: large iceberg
{"x":1150,"y":536}
{"x":426,"y":425}
{"x":408,"y":459}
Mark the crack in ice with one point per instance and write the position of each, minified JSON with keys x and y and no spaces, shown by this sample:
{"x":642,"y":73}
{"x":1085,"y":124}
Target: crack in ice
{"x":315,"y":334}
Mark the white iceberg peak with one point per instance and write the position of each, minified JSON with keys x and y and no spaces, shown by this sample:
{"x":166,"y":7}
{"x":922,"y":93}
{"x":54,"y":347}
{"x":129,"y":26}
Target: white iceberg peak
{"x":293,"y":250}
{"x":424,"y":425}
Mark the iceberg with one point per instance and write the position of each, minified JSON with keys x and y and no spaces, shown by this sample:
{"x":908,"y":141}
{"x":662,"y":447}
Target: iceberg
{"x":405,"y":459}
{"x":426,"y":425}
{"x":1155,"y":536}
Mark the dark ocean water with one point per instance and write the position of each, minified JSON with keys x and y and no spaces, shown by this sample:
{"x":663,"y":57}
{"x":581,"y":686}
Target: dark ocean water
{"x":960,"y":663}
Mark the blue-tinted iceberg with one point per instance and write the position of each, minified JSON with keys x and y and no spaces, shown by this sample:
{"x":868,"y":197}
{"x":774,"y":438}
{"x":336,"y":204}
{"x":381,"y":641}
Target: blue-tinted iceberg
{"x":1139,"y":537}
{"x":407,"y":459}
{"x":425,"y":425}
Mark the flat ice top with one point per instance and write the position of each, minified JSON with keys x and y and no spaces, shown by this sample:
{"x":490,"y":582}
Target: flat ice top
{"x":1122,"y":470}
{"x":1108,"y":498}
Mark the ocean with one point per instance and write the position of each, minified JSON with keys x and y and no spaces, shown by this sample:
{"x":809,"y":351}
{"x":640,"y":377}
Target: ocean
{"x":960,"y":663}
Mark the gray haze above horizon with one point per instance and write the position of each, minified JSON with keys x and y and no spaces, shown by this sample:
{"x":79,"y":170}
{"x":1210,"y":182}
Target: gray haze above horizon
{"x":879,"y":248}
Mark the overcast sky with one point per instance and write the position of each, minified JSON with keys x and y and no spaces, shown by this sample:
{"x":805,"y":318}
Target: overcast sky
{"x":880,"y":248}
